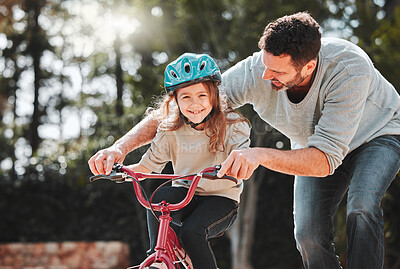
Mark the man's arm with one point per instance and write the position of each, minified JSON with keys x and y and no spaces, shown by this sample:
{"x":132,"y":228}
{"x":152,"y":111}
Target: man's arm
{"x":141,"y":134}
{"x":303,"y":162}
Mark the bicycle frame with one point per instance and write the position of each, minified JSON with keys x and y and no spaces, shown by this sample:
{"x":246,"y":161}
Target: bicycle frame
{"x":168,"y":249}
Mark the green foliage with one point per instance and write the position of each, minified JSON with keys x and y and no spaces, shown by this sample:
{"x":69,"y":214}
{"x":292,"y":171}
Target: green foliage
{"x":385,"y":42}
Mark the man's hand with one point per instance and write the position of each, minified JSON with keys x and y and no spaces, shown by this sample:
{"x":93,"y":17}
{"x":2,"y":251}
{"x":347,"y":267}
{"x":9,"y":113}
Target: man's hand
{"x":240,"y":163}
{"x":103,"y":161}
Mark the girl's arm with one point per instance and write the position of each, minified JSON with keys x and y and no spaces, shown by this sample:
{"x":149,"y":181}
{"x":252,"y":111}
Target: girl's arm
{"x":141,"y":134}
{"x":139,"y":168}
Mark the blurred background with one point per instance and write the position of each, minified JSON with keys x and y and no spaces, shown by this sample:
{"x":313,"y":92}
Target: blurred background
{"x":76,"y":75}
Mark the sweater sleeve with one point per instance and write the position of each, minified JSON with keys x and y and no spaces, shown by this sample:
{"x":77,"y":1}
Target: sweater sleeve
{"x":342,"y":110}
{"x":158,"y":154}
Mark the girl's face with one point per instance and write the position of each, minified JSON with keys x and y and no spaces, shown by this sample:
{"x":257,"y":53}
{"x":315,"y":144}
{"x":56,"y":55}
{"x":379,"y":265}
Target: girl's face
{"x":194,"y":102}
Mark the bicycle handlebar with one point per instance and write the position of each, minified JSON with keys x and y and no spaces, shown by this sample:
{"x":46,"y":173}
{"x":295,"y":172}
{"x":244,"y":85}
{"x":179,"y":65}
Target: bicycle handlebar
{"x":122,"y":174}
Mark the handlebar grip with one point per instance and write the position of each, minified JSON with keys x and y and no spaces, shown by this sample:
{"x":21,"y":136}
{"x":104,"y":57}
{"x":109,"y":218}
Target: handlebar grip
{"x":213,"y":175}
{"x":97,"y":177}
{"x":230,"y":178}
{"x":113,"y":176}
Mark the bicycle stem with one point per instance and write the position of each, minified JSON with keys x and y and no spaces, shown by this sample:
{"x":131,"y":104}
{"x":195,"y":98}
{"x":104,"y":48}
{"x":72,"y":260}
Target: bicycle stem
{"x":165,"y":220}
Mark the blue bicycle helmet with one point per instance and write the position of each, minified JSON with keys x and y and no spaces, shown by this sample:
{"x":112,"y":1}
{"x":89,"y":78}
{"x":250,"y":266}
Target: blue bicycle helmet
{"x":190,"y":69}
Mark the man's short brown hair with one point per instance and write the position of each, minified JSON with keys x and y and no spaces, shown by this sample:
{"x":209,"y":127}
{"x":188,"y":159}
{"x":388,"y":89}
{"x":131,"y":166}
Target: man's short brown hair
{"x":297,"y":35}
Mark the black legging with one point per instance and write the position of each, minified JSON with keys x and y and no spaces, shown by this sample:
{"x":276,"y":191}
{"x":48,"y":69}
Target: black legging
{"x":203,"y":218}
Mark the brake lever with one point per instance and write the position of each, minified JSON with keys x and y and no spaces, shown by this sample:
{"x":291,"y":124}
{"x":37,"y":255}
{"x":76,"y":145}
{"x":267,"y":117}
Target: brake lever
{"x":213,"y":175}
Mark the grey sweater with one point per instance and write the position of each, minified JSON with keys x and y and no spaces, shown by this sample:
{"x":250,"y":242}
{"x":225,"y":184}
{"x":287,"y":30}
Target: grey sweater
{"x":349,"y":102}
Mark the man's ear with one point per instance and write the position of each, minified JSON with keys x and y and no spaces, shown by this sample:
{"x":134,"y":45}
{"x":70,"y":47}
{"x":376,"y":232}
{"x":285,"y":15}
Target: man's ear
{"x":310,"y":66}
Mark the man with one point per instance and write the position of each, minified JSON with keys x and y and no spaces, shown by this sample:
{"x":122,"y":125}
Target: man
{"x":343,"y":120}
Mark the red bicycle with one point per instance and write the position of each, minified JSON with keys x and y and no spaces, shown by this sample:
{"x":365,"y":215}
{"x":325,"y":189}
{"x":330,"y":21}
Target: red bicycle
{"x":169,"y":252}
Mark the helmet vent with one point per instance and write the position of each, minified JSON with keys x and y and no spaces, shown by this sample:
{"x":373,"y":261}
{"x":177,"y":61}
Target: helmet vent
{"x":203,"y":64}
{"x":173,"y":74}
{"x":187,"y":67}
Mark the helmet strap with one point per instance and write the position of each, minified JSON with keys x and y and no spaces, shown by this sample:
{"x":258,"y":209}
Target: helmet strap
{"x":192,"y":124}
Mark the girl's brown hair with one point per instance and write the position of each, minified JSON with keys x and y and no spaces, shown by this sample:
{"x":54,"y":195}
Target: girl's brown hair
{"x":168,"y":114}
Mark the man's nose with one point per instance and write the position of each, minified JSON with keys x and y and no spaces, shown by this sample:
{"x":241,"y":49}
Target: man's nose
{"x":267,"y":75}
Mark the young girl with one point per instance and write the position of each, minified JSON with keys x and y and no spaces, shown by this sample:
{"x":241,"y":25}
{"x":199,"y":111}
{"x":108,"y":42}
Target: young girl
{"x":197,"y":130}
